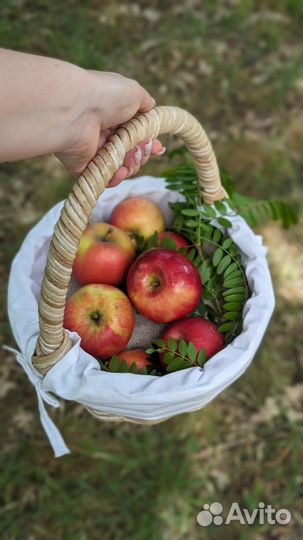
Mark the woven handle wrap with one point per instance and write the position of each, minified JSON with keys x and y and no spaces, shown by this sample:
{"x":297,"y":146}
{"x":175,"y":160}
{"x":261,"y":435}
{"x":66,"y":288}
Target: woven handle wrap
{"x":53,"y":342}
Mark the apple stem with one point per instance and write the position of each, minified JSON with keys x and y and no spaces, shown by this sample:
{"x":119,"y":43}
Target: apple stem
{"x":108,"y":232}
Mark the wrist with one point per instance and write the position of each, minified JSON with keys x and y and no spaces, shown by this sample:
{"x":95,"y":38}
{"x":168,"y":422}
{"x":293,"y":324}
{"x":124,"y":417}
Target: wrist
{"x":76,"y":106}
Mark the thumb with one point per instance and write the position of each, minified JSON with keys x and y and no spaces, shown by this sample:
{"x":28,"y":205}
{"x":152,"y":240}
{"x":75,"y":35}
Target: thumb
{"x":147,"y":102}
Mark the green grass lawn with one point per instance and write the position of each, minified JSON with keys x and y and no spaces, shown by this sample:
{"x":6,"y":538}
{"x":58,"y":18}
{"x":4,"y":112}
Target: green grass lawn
{"x":236,"y":66}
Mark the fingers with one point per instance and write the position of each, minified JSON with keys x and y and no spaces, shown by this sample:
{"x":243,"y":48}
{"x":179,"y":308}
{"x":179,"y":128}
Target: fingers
{"x":135,"y":158}
{"x":119,"y":176}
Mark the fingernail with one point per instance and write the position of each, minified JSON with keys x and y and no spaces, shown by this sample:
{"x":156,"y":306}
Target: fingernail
{"x":147,"y":147}
{"x":130,"y":171}
{"x":154,"y":101}
{"x":163,"y":149}
{"x":138,"y":154}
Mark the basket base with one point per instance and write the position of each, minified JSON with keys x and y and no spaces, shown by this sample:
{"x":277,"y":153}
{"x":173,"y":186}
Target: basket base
{"x":108,"y":417}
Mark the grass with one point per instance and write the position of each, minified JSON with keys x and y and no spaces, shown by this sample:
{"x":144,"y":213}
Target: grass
{"x":236,"y":66}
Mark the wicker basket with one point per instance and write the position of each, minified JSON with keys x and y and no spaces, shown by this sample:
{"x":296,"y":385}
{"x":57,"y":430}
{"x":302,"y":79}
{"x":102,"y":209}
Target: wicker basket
{"x":54,"y":342}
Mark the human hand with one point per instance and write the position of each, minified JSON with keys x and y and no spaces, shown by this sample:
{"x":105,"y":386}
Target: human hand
{"x":109,"y":100}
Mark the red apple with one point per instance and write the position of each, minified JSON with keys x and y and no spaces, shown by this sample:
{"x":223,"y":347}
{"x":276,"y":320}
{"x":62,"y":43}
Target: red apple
{"x":137,"y":356}
{"x":163,"y":285}
{"x":138,"y":215}
{"x":104,"y":255}
{"x":103,"y":317}
{"x":179,"y":240}
{"x":202,"y":333}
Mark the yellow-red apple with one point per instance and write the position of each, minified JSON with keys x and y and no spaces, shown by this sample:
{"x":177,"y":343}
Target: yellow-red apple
{"x":163,"y":285}
{"x":138,"y":215}
{"x":104,"y":255}
{"x":103,"y":317}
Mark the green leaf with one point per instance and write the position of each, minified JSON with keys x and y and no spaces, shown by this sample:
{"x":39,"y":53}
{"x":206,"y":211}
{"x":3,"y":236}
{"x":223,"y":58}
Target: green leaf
{"x":172,"y":344}
{"x":224,"y":222}
{"x":220,"y":206}
{"x":233,"y":250}
{"x":232,"y":306}
{"x":168,"y":357}
{"x":223,"y":264}
{"x":206,"y":228}
{"x":123,"y":367}
{"x":150,"y":351}
{"x":236,"y":274}
{"x":190,"y":212}
{"x":114,"y":362}
{"x":169,"y":243}
{"x":226,"y":327}
{"x":227,"y":243}
{"x":230,"y":269}
{"x":160,"y":343}
{"x":217,"y":256}
{"x":205,"y":271}
{"x":182,"y":347}
{"x":235,"y":290}
{"x":191,"y":223}
{"x":231,"y":283}
{"x":153,"y":240}
{"x":192,"y":351}
{"x":201,"y":357}
{"x":234,"y":297}
{"x":207,"y":233}
{"x":231,"y":315}
{"x":179,"y":222}
{"x":217,"y":236}
{"x":176,"y":364}
{"x":143,"y":371}
{"x":133,"y":368}
{"x":209,"y":210}
{"x":191,"y":255}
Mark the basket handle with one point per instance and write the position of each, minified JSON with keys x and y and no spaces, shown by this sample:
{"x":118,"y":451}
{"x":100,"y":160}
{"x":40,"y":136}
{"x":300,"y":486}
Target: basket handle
{"x":53,"y":342}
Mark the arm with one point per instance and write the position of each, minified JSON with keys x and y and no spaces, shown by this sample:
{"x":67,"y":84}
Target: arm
{"x":48,"y":106}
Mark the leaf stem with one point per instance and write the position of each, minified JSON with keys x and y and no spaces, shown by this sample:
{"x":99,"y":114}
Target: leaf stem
{"x":176,"y":353}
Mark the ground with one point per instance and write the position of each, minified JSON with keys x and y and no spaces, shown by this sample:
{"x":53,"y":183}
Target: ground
{"x":235,"y":65}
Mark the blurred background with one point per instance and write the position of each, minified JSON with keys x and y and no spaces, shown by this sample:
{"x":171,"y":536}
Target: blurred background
{"x":236,"y":66}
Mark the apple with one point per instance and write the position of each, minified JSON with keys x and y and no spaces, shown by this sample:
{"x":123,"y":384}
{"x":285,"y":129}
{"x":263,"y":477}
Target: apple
{"x":138,"y":215}
{"x":104,"y":255}
{"x":163,"y":285}
{"x":103,"y":317}
{"x":201,"y":332}
{"x":137,"y":356}
{"x":179,"y":240}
